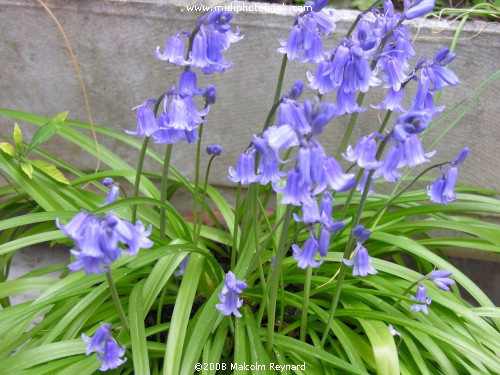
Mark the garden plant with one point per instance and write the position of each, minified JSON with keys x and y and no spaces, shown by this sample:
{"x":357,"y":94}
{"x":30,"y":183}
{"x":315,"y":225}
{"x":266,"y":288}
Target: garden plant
{"x":326,"y":263}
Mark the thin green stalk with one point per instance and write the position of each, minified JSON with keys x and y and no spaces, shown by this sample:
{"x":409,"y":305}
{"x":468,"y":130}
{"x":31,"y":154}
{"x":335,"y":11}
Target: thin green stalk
{"x":275,"y":276}
{"x":202,"y":211}
{"x":138,"y":175}
{"x":141,"y":161}
{"x":349,"y":246}
{"x":407,"y":290}
{"x":163,"y":190}
{"x":235,"y":231}
{"x":159,"y":311}
{"x":350,"y":127}
{"x":116,"y":300}
{"x":197,"y":181}
{"x":279,"y":85}
{"x":376,"y":217}
{"x":305,"y":303}
{"x":347,"y":252}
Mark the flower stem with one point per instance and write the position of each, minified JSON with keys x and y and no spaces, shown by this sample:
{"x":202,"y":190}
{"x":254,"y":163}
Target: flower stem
{"x":202,"y":210}
{"x":275,"y":276}
{"x":197,"y":181}
{"x":138,"y":176}
{"x":235,"y":230}
{"x":348,"y":249}
{"x":407,"y":290}
{"x":163,"y":190}
{"x":380,"y":211}
{"x":116,"y":300}
{"x":305,"y":303}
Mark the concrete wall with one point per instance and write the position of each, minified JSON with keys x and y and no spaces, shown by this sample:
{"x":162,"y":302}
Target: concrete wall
{"x":114,"y":40}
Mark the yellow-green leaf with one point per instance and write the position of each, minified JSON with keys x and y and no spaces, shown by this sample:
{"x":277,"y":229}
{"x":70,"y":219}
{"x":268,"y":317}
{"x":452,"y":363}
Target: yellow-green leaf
{"x":18,"y":135}
{"x":50,"y":170}
{"x":7,"y":148}
{"x":47,"y":131}
{"x":27,"y":168}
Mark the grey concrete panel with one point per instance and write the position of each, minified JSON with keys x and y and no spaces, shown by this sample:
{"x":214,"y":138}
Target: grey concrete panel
{"x":114,"y":40}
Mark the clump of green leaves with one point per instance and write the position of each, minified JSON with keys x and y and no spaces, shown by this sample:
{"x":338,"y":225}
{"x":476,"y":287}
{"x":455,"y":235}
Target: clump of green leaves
{"x":20,"y":150}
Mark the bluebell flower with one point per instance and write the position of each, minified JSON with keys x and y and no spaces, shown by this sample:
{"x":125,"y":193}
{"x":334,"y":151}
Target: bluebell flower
{"x":393,"y":331}
{"x":229,"y":297}
{"x":411,"y":122}
{"x":134,"y":237}
{"x":296,"y":90}
{"x":462,"y":155}
{"x":210,"y":95}
{"x":422,"y":298}
{"x":393,"y":101}
{"x":183,"y":114}
{"x":174,"y":50}
{"x":292,"y":113}
{"x":391,"y":162}
{"x":441,"y":279}
{"x":360,"y":233}
{"x":318,"y":114}
{"x":435,"y":191}
{"x":417,"y":8}
{"x":305,"y":257}
{"x":214,"y":150}
{"x":112,"y":195}
{"x":443,"y":189}
{"x":395,"y":75}
{"x":346,"y":103}
{"x":295,"y":193}
{"x":268,"y":163}
{"x":321,"y":79}
{"x":310,"y":212}
{"x":362,"y":183}
{"x":182,"y":267}
{"x":280,"y":138}
{"x":291,"y":47}
{"x":76,"y":227}
{"x":334,"y":177}
{"x":363,"y":153}
{"x":188,"y":84}
{"x":361,"y":262}
{"x":146,"y":120}
{"x":111,"y":356}
{"x":198,"y":56}
{"x":95,"y":343}
{"x":107,"y":181}
{"x":245,"y":172}
{"x":414,"y":151}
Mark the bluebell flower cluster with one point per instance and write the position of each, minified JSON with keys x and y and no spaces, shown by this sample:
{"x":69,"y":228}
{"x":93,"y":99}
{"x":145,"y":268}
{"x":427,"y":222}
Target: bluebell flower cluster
{"x":229,"y":297}
{"x":180,"y":117}
{"x":441,"y":280}
{"x":314,"y":175}
{"x":100,"y":240}
{"x":305,"y":40}
{"x":106,"y":348}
